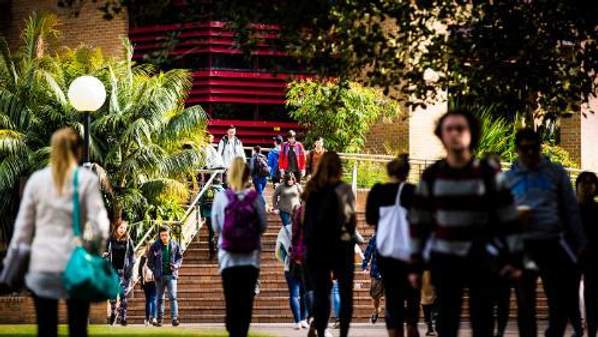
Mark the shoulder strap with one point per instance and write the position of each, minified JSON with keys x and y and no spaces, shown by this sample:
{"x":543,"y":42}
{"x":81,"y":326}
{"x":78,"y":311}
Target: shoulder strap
{"x":76,"y":216}
{"x":399,"y":193}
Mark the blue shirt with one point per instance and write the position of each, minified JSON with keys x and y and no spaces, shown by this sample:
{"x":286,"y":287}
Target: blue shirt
{"x":371,"y":258}
{"x":273,"y":157}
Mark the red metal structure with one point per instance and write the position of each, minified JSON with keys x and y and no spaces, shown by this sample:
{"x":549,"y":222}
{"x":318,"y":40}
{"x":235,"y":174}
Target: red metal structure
{"x":234,"y":89}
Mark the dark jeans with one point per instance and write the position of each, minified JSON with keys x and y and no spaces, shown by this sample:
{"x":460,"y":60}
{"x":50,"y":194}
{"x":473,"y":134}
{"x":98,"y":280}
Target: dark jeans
{"x":297,"y":298}
{"x":121,"y":311}
{"x":502,"y":305}
{"x":340,"y":263}
{"x":211,"y":238}
{"x":590,"y":294}
{"x":402,"y":300}
{"x":149,"y":289}
{"x":46,"y":311}
{"x":451,"y":275}
{"x":559,"y":277}
{"x":285,"y":218}
{"x":260,"y":184}
{"x":239,"y":290}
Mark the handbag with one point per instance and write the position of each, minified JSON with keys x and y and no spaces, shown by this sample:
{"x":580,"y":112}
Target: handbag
{"x":16,"y":264}
{"x":87,"y":277}
{"x":392,"y":235}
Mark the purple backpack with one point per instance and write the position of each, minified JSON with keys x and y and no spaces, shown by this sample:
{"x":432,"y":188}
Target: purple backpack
{"x":240,"y":232}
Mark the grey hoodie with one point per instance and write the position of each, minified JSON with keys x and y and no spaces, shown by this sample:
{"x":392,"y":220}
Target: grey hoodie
{"x":548,"y":191}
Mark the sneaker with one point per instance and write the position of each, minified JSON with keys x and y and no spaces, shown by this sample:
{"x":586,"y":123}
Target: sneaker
{"x":304,"y":324}
{"x":258,"y":285}
{"x":336,"y":324}
{"x":374,"y":318}
{"x":297,"y":326}
{"x":158,"y":323}
{"x":175,"y":322}
{"x":123,"y":322}
{"x":430,"y":331}
{"x":146,"y":322}
{"x":111,"y":319}
{"x":327,"y":333}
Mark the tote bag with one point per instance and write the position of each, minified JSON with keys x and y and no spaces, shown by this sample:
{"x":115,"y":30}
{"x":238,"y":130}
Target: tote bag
{"x":87,"y":277}
{"x":392,"y":236}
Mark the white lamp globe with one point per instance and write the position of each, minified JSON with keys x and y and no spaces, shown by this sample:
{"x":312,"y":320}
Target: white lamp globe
{"x":87,"y":93}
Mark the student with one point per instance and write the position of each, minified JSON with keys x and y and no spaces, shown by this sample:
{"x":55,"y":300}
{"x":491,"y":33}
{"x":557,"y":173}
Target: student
{"x":165,"y":262}
{"x":553,"y":236}
{"x":386,"y":210}
{"x":428,"y":302}
{"x":213,"y":157}
{"x":370,"y":262}
{"x":45,"y":221}
{"x":120,"y":251}
{"x":148,"y":284}
{"x":329,"y":229}
{"x":292,"y":157}
{"x":286,"y":197}
{"x":206,"y":212}
{"x":313,"y":157}
{"x":273,"y":157}
{"x":294,"y":276}
{"x":258,"y":166}
{"x":239,"y":218}
{"x":230,"y":147}
{"x":453,"y":206}
{"x":587,"y":189}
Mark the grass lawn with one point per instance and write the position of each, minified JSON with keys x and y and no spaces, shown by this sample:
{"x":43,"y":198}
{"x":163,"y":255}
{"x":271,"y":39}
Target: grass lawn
{"x":102,"y":330}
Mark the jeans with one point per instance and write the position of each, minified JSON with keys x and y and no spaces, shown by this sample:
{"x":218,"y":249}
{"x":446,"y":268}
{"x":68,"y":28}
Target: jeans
{"x":335,"y":297}
{"x":149,"y":289}
{"x":285,"y":218}
{"x":239,"y":291}
{"x":451,"y":275}
{"x":343,"y":267}
{"x":297,"y":298}
{"x":559,"y":277}
{"x":260,"y":184}
{"x":402,"y":300}
{"x":502,"y":305}
{"x":46,"y":311}
{"x":169,"y":284}
{"x":121,"y":311}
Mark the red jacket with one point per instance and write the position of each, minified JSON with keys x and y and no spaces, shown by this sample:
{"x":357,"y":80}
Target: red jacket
{"x":283,"y":162}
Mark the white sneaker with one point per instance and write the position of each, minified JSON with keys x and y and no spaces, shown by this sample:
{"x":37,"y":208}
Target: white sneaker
{"x":297,"y":326}
{"x":304,"y":324}
{"x":145,"y":322}
{"x":327,"y":333}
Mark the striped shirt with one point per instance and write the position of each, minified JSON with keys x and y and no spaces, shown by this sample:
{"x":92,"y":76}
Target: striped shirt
{"x":455,"y":207}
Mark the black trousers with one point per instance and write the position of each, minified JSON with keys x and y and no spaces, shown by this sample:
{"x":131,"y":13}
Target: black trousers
{"x":560,"y":280}
{"x":502,"y":305}
{"x":590,"y":294}
{"x":46,"y":311}
{"x":342,"y":265}
{"x":451,"y":275}
{"x":239,"y":292}
{"x":402,"y":300}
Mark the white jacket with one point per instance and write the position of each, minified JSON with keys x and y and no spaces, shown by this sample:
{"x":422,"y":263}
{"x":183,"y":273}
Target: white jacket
{"x":230,"y":149}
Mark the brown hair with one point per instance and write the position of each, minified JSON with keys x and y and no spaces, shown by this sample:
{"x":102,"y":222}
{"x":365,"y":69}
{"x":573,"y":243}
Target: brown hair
{"x":115,"y":229}
{"x":327,"y":173}
{"x":66,"y":150}
{"x":399,"y":167}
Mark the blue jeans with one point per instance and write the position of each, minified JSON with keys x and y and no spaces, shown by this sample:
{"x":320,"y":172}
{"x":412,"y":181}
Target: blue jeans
{"x":335,"y":297}
{"x":285,"y":218}
{"x":260,"y":184}
{"x":297,"y":299}
{"x":169,"y":284}
{"x":149,"y":289}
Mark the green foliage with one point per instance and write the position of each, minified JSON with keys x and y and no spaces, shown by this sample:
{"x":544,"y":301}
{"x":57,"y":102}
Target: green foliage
{"x":144,"y":141}
{"x":341,"y":113}
{"x":557,"y":154}
{"x":497,"y":135}
{"x":104,"y":330}
{"x":368,"y":173}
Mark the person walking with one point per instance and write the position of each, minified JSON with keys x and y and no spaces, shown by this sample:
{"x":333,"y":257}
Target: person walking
{"x":313,"y":157}
{"x":258,"y":166}
{"x":286,"y":197}
{"x":553,"y":236}
{"x":292,"y":157}
{"x":587,"y":189}
{"x":230,"y":147}
{"x":386,"y":210}
{"x":294,"y":277}
{"x":370,"y":263}
{"x":273,"y":157}
{"x":165,"y":262}
{"x":207,"y":200}
{"x":148,"y":284}
{"x":428,"y":302}
{"x":465,"y":217}
{"x":329,"y":230}
{"x":120,"y":251}
{"x":44,"y":221}
{"x":212,"y":156}
{"x":239,"y":218}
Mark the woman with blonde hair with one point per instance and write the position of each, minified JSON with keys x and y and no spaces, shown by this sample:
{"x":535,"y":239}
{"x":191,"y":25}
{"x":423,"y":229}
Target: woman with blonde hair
{"x":45,"y":221}
{"x":239,"y":218}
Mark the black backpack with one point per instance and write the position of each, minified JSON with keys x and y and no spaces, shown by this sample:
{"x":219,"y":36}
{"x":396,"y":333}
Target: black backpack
{"x":260,"y":166}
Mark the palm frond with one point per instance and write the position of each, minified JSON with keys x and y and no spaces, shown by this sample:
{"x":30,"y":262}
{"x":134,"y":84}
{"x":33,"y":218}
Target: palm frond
{"x":187,"y":121}
{"x":39,"y":27}
{"x":8,"y":62}
{"x":12,"y":143}
{"x":15,"y":109}
{"x":11,"y":170}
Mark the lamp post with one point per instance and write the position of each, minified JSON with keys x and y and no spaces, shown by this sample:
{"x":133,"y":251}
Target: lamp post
{"x":86,"y":94}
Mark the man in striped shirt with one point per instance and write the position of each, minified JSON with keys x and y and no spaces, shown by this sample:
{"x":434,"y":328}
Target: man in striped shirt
{"x":461,"y":220}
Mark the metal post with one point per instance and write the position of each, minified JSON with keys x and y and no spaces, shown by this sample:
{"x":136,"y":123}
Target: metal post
{"x":354,"y":178}
{"x":86,"y":127}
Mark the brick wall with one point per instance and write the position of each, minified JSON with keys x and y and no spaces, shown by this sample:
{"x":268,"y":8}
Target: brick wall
{"x":20,"y":310}
{"x":388,"y":137}
{"x":571,"y":136}
{"x":88,"y":28}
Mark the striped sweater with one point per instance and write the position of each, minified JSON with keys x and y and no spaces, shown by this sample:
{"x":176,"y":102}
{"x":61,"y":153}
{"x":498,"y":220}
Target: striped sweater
{"x":453,"y":208}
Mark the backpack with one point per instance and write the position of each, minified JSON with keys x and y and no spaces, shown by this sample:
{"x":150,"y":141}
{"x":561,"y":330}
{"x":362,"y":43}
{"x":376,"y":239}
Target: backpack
{"x":240,"y":232}
{"x":260,"y":167}
{"x":147,"y":274}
